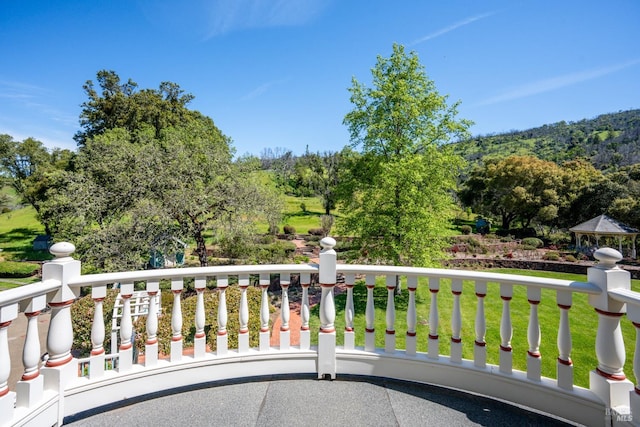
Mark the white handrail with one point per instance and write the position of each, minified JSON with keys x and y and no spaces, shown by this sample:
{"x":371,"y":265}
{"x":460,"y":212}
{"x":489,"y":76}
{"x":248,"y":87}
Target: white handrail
{"x":515,"y":279}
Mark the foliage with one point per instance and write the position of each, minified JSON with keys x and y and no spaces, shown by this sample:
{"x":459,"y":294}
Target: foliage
{"x":82,"y":312}
{"x":397,"y":190}
{"x":32,"y":169}
{"x":609,"y":140}
{"x":188,"y":306}
{"x":533,"y":241}
{"x":289,"y":229}
{"x":10,"y":269}
{"x":465,"y":229}
{"x":149,"y":170}
{"x":551,"y":256}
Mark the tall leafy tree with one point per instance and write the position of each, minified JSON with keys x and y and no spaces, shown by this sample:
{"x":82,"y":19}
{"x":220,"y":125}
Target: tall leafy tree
{"x":148,"y":169}
{"x":398,"y":174}
{"x":32,"y":169}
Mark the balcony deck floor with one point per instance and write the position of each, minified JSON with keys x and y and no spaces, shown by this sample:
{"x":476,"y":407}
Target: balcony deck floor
{"x":306,"y":401}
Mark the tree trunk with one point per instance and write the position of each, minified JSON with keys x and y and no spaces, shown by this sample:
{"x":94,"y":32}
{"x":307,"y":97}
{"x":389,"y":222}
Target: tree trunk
{"x":201,"y":248}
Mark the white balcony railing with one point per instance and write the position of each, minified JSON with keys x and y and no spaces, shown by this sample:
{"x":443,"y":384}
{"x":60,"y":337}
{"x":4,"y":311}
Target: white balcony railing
{"x":46,"y":394}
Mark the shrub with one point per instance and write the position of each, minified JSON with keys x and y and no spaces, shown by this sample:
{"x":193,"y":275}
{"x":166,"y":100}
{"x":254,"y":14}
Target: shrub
{"x":551,"y":256}
{"x":316,"y":231}
{"x":82,"y":319}
{"x":303,"y":207}
{"x":289,"y":229}
{"x":11,"y":269}
{"x":570,"y":258}
{"x":533,"y":241}
{"x":528,"y":247}
{"x":465,"y":229}
{"x":188,"y":306}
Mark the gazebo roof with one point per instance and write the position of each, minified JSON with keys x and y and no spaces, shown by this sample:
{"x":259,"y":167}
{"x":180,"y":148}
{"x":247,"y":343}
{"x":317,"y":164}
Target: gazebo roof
{"x":603,"y":225}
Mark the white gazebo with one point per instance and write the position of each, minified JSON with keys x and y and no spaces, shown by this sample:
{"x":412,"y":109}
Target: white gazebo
{"x":603,"y":226}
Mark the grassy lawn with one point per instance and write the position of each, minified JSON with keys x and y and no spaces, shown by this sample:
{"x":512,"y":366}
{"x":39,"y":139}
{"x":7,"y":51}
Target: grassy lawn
{"x":18,"y":228}
{"x":582,"y":318}
{"x":303,"y":220}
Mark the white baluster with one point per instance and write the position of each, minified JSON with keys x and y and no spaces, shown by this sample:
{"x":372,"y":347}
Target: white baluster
{"x":370,"y":311}
{"x":349,"y":333}
{"x":412,"y":316}
{"x":634,"y":396}
{"x":456,"y":322}
{"x":151,"y":345}
{"x":265,"y":338}
{"x":434,"y":342}
{"x":285,"y":333}
{"x":305,"y":333}
{"x":534,"y":362}
{"x":96,"y":359}
{"x":243,"y":314}
{"x":7,"y":398}
{"x":506,"y":330}
{"x":222,"y":338}
{"x":564,"y":365}
{"x":200,"y":337}
{"x":31,"y":391}
{"x":125,"y":359}
{"x":176,"y":320}
{"x":480,"y":347}
{"x":390,"y":333}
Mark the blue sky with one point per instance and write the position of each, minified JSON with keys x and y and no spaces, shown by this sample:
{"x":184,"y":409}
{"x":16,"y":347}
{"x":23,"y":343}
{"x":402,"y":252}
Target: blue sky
{"x":275,"y":73}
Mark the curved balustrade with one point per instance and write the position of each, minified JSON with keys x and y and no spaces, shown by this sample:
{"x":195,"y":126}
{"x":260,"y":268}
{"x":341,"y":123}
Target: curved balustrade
{"x":46,"y":394}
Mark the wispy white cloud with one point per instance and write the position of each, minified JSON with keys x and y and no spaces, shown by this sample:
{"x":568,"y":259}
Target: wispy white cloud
{"x":555,"y":83}
{"x":451,"y":28}
{"x":263,"y":88}
{"x":232,"y":15}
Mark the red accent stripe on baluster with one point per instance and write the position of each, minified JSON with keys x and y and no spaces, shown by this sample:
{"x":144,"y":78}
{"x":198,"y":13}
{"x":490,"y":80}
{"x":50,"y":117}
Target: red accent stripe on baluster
{"x":614,"y":377}
{"x":412,"y":289}
{"x":327,"y":285}
{"x":264,"y":329}
{"x":456,"y":292}
{"x":479,"y":295}
{"x":388,"y":332}
{"x":456,"y":340}
{"x":433,"y":291}
{"x":534,"y":302}
{"x":152,"y":342}
{"x":503,"y":348}
{"x":284,"y":328}
{"x":565,"y":362}
{"x":636,"y":390}
{"x":369,"y":330}
{"x":390,"y":288}
{"x":97,"y":352}
{"x":222,"y":333}
{"x":327,"y":330}
{"x":608,"y":313}
{"x":177,"y":338}
{"x":637,"y":325}
{"x":505,"y":298}
{"x":202,"y":334}
{"x":5,"y":324}
{"x":126,"y":346}
{"x":346,"y":329}
{"x":4,"y":392}
{"x":411,"y":334}
{"x":480,"y":344}
{"x":61,"y":304}
{"x":55,"y":363}
{"x":566,"y":307}
{"x":31,"y":376}
{"x":433,"y":337}
{"x":304,"y":328}
{"x":537,"y":355}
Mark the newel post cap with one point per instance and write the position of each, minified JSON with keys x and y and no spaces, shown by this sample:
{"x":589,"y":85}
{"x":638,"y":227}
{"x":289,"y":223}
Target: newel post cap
{"x":607,"y":257}
{"x":328,"y":243}
{"x":62,"y":250}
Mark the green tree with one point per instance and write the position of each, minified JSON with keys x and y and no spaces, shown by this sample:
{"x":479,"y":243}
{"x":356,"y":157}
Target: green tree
{"x":32,"y":170}
{"x":396,"y":192}
{"x":517,"y":187}
{"x":148,"y":169}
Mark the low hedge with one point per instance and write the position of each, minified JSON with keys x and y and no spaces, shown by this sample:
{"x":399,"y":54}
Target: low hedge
{"x":12,"y":269}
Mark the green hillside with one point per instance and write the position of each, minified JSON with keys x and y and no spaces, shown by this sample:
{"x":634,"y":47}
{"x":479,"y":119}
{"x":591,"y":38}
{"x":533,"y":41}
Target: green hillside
{"x":608,"y":141}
